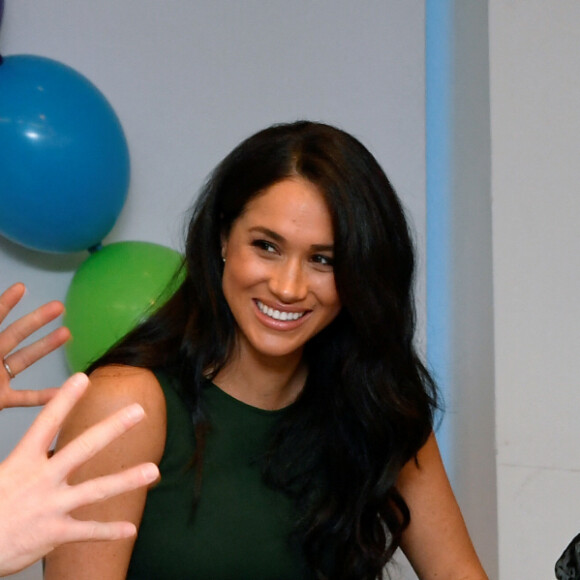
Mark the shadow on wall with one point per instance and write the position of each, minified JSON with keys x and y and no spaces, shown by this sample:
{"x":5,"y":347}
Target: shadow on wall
{"x":41,"y":260}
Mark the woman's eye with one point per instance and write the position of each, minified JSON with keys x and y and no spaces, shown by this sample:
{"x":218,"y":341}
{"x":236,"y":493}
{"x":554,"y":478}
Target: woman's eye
{"x":264,"y":245}
{"x":323,"y":260}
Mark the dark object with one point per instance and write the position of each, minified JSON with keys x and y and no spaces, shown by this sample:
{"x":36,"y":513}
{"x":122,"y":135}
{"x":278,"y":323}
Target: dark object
{"x":568,"y":565}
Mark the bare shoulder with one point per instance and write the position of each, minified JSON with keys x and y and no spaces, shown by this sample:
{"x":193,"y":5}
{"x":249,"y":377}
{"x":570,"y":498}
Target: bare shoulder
{"x":112,"y":388}
{"x":119,"y":384}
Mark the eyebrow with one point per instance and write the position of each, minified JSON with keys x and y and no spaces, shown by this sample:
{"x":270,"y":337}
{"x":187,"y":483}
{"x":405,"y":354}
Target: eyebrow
{"x":276,"y":236}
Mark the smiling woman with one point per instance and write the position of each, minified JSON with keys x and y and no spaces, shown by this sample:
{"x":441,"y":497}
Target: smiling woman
{"x":287,"y":409}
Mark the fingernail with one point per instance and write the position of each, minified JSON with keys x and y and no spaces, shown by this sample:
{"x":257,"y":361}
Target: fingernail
{"x":127,"y":531}
{"x":150,"y":472}
{"x":135,"y":412}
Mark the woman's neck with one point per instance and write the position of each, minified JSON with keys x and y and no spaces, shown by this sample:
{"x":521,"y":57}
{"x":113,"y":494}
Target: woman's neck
{"x":265,"y":383}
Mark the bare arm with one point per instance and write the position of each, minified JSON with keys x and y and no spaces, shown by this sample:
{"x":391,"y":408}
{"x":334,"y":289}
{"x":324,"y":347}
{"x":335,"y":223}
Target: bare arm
{"x":111,"y":389}
{"x":18,"y":360}
{"x":436,"y":542}
{"x":35,"y":499}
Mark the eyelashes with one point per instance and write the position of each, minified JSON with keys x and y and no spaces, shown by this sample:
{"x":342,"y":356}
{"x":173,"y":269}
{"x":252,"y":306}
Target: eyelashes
{"x":321,"y":260}
{"x":264,"y":245}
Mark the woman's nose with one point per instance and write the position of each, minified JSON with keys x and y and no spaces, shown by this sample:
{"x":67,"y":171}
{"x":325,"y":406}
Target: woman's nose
{"x":289,"y":282}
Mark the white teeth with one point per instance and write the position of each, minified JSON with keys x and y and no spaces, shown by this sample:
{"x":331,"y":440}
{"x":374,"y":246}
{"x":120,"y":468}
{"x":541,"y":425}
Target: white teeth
{"x":277,"y":315}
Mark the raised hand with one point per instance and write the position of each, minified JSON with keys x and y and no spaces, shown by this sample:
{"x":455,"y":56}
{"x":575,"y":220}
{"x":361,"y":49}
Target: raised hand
{"x":35,"y":498}
{"x":14,"y":361}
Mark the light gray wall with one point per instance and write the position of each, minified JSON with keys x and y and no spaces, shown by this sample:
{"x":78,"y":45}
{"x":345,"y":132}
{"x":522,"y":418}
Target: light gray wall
{"x":190,"y":79}
{"x":535,"y":134}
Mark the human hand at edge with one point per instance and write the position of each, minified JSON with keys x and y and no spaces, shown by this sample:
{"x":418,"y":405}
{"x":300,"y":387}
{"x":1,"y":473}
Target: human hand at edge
{"x":35,"y":498}
{"x":16,"y":361}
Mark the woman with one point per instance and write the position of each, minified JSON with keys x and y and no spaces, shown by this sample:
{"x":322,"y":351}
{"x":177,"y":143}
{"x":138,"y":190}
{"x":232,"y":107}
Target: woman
{"x":286,"y":407}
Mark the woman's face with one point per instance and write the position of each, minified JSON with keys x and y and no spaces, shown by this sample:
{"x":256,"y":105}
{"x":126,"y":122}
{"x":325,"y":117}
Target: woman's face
{"x":278,"y":276}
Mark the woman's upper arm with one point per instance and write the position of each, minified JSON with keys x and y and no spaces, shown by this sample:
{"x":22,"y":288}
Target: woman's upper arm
{"x":111,"y":389}
{"x":436,"y":542}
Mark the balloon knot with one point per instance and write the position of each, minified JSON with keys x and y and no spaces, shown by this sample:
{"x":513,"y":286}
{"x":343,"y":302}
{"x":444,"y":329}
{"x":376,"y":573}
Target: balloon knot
{"x":95,"y":248}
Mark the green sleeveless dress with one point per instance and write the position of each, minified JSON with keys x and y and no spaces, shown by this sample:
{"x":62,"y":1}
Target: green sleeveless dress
{"x":241,"y":529}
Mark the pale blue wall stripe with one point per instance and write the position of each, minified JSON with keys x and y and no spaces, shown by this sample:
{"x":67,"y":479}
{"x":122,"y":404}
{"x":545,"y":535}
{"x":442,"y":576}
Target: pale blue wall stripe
{"x":439,"y":161}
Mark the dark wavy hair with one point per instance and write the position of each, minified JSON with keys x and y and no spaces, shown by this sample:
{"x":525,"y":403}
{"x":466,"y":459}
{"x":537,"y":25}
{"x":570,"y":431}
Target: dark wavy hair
{"x":368,"y":402}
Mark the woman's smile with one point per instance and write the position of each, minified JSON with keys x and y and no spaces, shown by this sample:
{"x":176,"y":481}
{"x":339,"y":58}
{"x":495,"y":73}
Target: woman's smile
{"x":280,"y":319}
{"x":277,"y":314}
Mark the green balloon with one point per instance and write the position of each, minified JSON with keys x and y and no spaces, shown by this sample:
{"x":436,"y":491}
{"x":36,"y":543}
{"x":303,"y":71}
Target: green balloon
{"x":113,"y":290}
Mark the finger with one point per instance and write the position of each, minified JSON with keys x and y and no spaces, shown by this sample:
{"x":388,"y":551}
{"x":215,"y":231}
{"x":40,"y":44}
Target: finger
{"x":102,"y":488}
{"x":90,"y":531}
{"x":22,"y":328}
{"x":90,"y":442}
{"x":26,"y":398}
{"x":9,"y":298}
{"x":26,"y":356}
{"x":45,"y":427}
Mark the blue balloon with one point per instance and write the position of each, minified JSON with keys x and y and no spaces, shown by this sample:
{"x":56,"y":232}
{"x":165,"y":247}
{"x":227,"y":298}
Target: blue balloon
{"x":64,"y":159}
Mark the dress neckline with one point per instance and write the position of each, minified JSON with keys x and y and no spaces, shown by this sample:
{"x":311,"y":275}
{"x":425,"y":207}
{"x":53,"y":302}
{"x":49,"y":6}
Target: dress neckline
{"x":233,"y":401}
